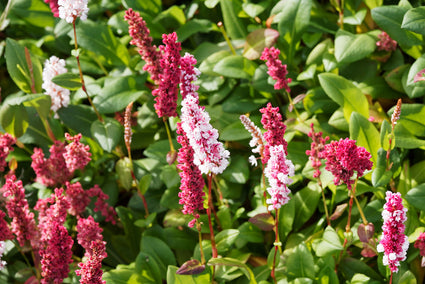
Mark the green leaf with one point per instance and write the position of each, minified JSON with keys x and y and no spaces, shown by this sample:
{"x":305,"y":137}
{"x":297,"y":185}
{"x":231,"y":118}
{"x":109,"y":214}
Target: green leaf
{"x":208,"y":64}
{"x":237,"y":171}
{"x":227,"y":261}
{"x":225,"y":239}
{"x":293,"y":19}
{"x":144,"y":183}
{"x":390,"y":19}
{"x":18,"y":68}
{"x":306,"y":201}
{"x":416,"y":196}
{"x":160,"y":251}
{"x":234,"y":26}
{"x":68,"y":81}
{"x":255,"y":9}
{"x":250,"y":233}
{"x":415,"y":90}
{"x":300,"y":262}
{"x":14,"y":119}
{"x":350,"y":47}
{"x":380,"y":175}
{"x":234,"y":132}
{"x":174,"y":278}
{"x":350,"y":266}
{"x":101,"y":40}
{"x":120,"y":274}
{"x":365,"y":133}
{"x":123,"y":168}
{"x":107,"y":133}
{"x":152,"y":7}
{"x":344,"y":93}
{"x":195,"y":26}
{"x":235,"y":66}
{"x":414,"y":20}
{"x":257,"y":40}
{"x":260,"y":80}
{"x":146,"y":270}
{"x":34,"y":13}
{"x":78,"y":117}
{"x":329,"y":244}
{"x":411,"y":117}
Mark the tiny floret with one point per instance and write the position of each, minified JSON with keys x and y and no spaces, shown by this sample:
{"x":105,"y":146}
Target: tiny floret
{"x":70,"y":10}
{"x":59,"y":96}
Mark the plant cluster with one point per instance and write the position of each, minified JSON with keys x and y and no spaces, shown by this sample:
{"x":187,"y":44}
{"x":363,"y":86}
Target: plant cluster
{"x":212,"y":141}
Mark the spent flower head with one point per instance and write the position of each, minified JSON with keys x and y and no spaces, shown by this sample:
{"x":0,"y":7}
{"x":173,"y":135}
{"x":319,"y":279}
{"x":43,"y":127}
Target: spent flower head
{"x":276,"y":70}
{"x":257,"y":142}
{"x":394,"y":243}
{"x":70,"y":10}
{"x":209,"y":154}
{"x":343,"y":158}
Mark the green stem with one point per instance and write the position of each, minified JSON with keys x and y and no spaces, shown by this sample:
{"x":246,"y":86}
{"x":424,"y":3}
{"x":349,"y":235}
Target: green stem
{"x":210,"y":204}
{"x":328,"y":220}
{"x":198,"y":227}
{"x":83,"y":85}
{"x":223,"y":32}
{"x":167,"y":129}
{"x":361,"y":211}
{"x":277,"y":245}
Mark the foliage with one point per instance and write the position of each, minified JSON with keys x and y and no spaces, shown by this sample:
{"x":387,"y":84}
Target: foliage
{"x":341,"y":83}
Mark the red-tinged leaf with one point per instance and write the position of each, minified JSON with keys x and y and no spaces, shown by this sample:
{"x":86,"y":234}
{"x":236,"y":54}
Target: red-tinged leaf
{"x":264,"y":221}
{"x":257,"y":41}
{"x":191,"y":267}
{"x":420,"y":76}
{"x":338,"y":211}
{"x":365,"y":232}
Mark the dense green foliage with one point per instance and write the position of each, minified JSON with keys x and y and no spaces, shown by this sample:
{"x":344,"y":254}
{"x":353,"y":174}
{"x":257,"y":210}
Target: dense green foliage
{"x":341,"y":83}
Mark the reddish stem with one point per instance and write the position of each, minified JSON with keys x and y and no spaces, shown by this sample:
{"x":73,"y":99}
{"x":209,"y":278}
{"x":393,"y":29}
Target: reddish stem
{"x":213,"y":246}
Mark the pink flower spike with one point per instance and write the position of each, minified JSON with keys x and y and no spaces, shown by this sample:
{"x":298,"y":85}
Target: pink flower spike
{"x":77,"y":197}
{"x":59,"y":95}
{"x":101,"y":205}
{"x":6,"y":142}
{"x":166,"y":93}
{"x":56,"y":256}
{"x":77,"y":155}
{"x":386,"y":42}
{"x":316,"y":148}
{"x":54,"y":6}
{"x":23,"y":223}
{"x":191,"y":187}
{"x":277,"y":70}
{"x":343,"y":158}
{"x":69,"y":10}
{"x":394,"y":243}
{"x":272,"y":122}
{"x":5,"y":233}
{"x":420,"y":244}
{"x":139,"y":31}
{"x":189,"y":74}
{"x":278,"y":171}
{"x":209,"y":154}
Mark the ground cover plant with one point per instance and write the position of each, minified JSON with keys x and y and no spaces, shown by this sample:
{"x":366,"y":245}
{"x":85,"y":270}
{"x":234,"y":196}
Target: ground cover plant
{"x":226,"y":141}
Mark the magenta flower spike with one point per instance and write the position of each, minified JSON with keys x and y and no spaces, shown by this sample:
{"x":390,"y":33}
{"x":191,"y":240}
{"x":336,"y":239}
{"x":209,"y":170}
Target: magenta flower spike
{"x":420,"y":244}
{"x":272,"y":122}
{"x":54,"y":6}
{"x":90,"y":238}
{"x":277,"y":70}
{"x":386,"y":42}
{"x":169,"y":79}
{"x":23,"y":223}
{"x":5,"y":233}
{"x":6,"y":142}
{"x":316,"y":148}
{"x":394,"y":243}
{"x":209,"y":154}
{"x":140,"y":33}
{"x":69,"y":10}
{"x":191,"y":194}
{"x":77,"y":155}
{"x":343,"y":158}
{"x":278,"y":171}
